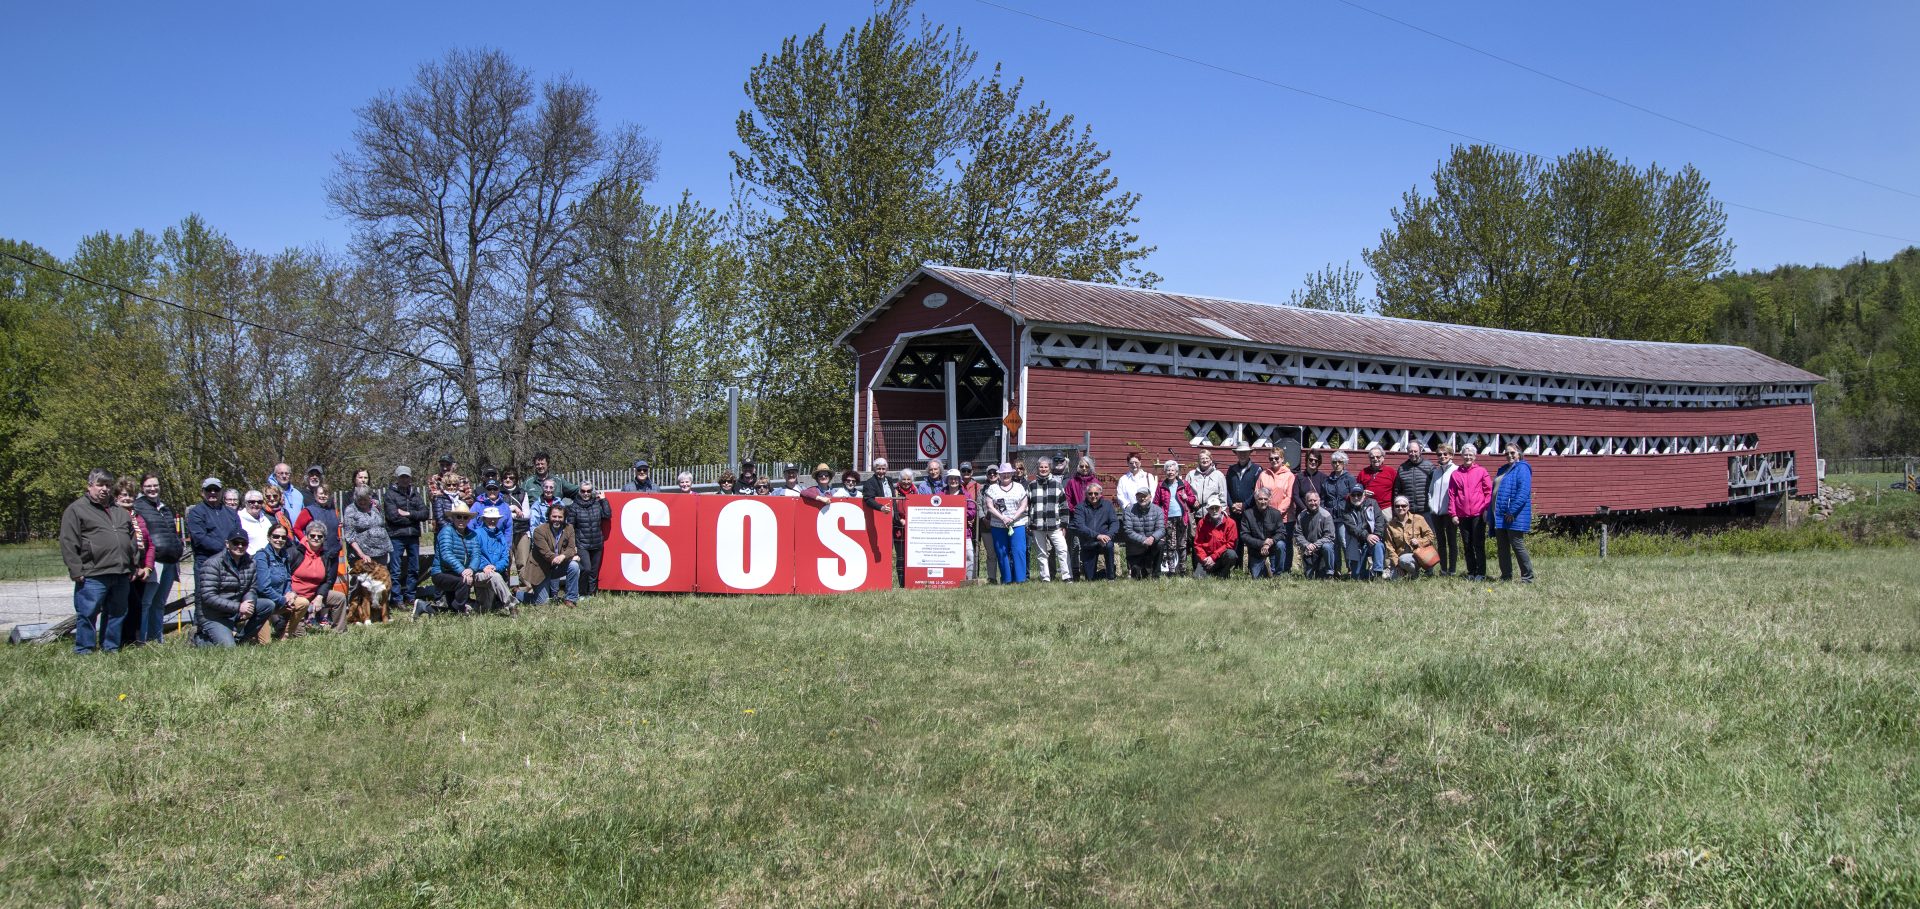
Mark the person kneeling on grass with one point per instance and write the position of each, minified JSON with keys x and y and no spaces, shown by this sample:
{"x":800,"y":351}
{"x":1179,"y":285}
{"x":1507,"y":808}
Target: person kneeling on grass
{"x":311,"y":572}
{"x":1406,"y":532}
{"x":453,"y":548}
{"x":487,"y":565}
{"x":224,"y":612}
{"x":555,"y":559}
{"x":1313,"y":538}
{"x":1143,"y":525}
{"x":1095,"y":525}
{"x":272,"y":593}
{"x":1213,"y":539}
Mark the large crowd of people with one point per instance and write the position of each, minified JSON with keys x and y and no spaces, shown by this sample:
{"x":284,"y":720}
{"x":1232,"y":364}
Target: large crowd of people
{"x":278,"y":562}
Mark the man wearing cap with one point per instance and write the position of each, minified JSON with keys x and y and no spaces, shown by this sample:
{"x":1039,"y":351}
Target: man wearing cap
{"x":501,"y":528}
{"x":1313,"y":538}
{"x":642,"y":477}
{"x":223,"y":594}
{"x":316,"y":478}
{"x":748,"y":479}
{"x":291,"y":497}
{"x":1366,"y":531}
{"x":210,"y":522}
{"x":1048,"y":530}
{"x":1095,"y":524}
{"x":487,"y":560}
{"x":405,"y":510}
{"x":1214,"y":536}
{"x":454,"y":546}
{"x":448,"y":477}
{"x":97,"y":543}
{"x":1142,"y":525}
{"x":591,"y":515}
{"x":790,"y":480}
{"x":1175,"y":499}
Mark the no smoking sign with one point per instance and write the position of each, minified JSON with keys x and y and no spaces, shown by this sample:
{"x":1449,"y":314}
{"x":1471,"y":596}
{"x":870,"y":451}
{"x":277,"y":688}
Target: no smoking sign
{"x":932,"y":439}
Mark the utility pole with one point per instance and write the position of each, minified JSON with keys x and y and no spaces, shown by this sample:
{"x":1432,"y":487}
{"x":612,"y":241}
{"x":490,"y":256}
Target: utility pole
{"x":733,"y":428}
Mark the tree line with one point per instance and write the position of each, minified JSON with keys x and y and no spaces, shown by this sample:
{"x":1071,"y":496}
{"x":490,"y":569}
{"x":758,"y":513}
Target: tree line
{"x":516,"y":280}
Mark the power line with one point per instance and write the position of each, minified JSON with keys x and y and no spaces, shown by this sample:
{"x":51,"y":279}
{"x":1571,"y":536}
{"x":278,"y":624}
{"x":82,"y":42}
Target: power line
{"x":1633,"y":106}
{"x":1378,"y":112}
{"x":384,"y":351}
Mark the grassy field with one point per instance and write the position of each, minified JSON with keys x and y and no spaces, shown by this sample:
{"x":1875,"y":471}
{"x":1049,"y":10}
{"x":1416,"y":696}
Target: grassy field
{"x":23,"y":561}
{"x":1710,"y":731}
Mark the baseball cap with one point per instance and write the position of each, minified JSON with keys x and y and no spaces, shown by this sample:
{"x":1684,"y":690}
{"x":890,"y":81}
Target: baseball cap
{"x":1141,"y":492}
{"x":1357,"y":491}
{"x":238,"y":536}
{"x":642,"y":465}
{"x":211,"y":483}
{"x":493,"y":484}
{"x":952,"y":473}
{"x":446,"y":459}
{"x":789,"y":467}
{"x":316,"y":469}
{"x":1215,"y":502}
{"x":966,"y":466}
{"x":403,"y":471}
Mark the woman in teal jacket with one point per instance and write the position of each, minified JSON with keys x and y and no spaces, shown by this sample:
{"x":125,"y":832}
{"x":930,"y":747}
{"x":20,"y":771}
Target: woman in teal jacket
{"x":1513,"y":515}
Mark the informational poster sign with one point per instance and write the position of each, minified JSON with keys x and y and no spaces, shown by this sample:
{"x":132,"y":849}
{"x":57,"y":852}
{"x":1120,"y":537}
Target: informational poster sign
{"x":936,"y":541}
{"x":841,"y":547}
{"x":650,"y":543}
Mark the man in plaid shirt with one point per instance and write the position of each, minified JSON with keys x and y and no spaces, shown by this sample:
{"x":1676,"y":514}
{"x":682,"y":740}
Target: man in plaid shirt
{"x":1047,"y":526}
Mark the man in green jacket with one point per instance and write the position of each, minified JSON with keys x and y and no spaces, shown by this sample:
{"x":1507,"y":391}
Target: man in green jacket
{"x":97,"y":543}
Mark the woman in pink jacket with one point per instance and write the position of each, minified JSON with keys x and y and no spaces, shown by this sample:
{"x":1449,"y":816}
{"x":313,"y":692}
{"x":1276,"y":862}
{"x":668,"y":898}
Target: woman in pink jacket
{"x":1468,"y":496}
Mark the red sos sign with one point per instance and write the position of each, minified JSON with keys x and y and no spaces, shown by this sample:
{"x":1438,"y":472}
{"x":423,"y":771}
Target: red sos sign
{"x":744,"y":544}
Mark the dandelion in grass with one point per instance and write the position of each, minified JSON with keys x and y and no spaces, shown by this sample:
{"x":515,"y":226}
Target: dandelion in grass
{"x":123,"y":696}
{"x":748,"y":711}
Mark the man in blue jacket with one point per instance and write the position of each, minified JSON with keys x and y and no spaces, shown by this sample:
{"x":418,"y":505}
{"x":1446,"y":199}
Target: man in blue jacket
{"x":1513,"y":515}
{"x":210,"y":523}
{"x":487,"y":559}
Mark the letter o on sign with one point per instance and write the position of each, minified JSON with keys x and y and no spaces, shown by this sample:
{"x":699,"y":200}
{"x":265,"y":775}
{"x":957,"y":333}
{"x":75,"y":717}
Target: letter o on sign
{"x":747,"y":544}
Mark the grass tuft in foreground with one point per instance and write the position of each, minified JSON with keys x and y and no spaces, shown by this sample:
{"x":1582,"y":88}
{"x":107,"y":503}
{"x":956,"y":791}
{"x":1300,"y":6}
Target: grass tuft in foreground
{"x":1655,"y":732}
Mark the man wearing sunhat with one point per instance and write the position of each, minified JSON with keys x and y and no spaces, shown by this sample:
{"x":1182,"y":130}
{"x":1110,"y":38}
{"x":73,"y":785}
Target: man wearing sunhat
{"x":1214,"y":537}
{"x":454,"y":547}
{"x":642,"y":477}
{"x":488,"y":562}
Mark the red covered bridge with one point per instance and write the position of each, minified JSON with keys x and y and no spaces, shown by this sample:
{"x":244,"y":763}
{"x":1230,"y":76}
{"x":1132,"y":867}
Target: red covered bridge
{"x":1630,"y":425}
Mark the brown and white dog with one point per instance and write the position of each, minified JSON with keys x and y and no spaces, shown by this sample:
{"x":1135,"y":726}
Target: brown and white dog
{"x":367,"y":592}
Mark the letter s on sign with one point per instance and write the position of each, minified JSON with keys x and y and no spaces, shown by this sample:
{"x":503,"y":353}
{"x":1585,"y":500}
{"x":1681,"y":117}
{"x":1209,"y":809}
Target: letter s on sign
{"x":652,"y":564}
{"x":835,"y":525}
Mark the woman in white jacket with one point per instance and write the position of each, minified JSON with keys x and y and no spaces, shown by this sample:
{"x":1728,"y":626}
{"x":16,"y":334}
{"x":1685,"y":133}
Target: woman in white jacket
{"x":1446,"y":534}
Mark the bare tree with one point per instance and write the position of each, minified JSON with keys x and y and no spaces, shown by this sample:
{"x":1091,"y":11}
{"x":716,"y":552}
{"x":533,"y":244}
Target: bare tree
{"x":463,"y":187}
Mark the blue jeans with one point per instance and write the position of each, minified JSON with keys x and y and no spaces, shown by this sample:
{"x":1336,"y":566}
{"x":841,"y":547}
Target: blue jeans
{"x":99,"y":601}
{"x":551,"y":586}
{"x":153,"y":606}
{"x":1091,"y":555}
{"x":1275,"y":562}
{"x":225,"y":632}
{"x":1366,"y":560}
{"x":404,"y":563}
{"x":1010,"y":550}
{"x":1319,"y":564}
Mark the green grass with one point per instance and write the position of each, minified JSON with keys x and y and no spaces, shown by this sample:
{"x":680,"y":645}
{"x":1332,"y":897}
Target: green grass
{"x":26,"y":561}
{"x":1712,"y":731}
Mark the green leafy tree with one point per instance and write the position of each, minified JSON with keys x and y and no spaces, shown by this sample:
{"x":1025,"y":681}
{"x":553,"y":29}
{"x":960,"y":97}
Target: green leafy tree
{"x":1584,"y":244}
{"x":1332,"y":288}
{"x":862,"y":158}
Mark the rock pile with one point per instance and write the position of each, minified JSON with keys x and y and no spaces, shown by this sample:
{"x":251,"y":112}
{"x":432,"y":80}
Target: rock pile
{"x":1829,"y":498}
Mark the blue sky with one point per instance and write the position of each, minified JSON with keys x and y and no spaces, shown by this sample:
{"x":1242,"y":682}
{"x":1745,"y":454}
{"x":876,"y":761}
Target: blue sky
{"x":128,"y":115}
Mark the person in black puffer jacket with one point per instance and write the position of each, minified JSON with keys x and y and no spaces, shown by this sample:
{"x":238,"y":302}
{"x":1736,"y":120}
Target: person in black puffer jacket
{"x":224,"y":612}
{"x":590,"y":515}
{"x":168,"y":551}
